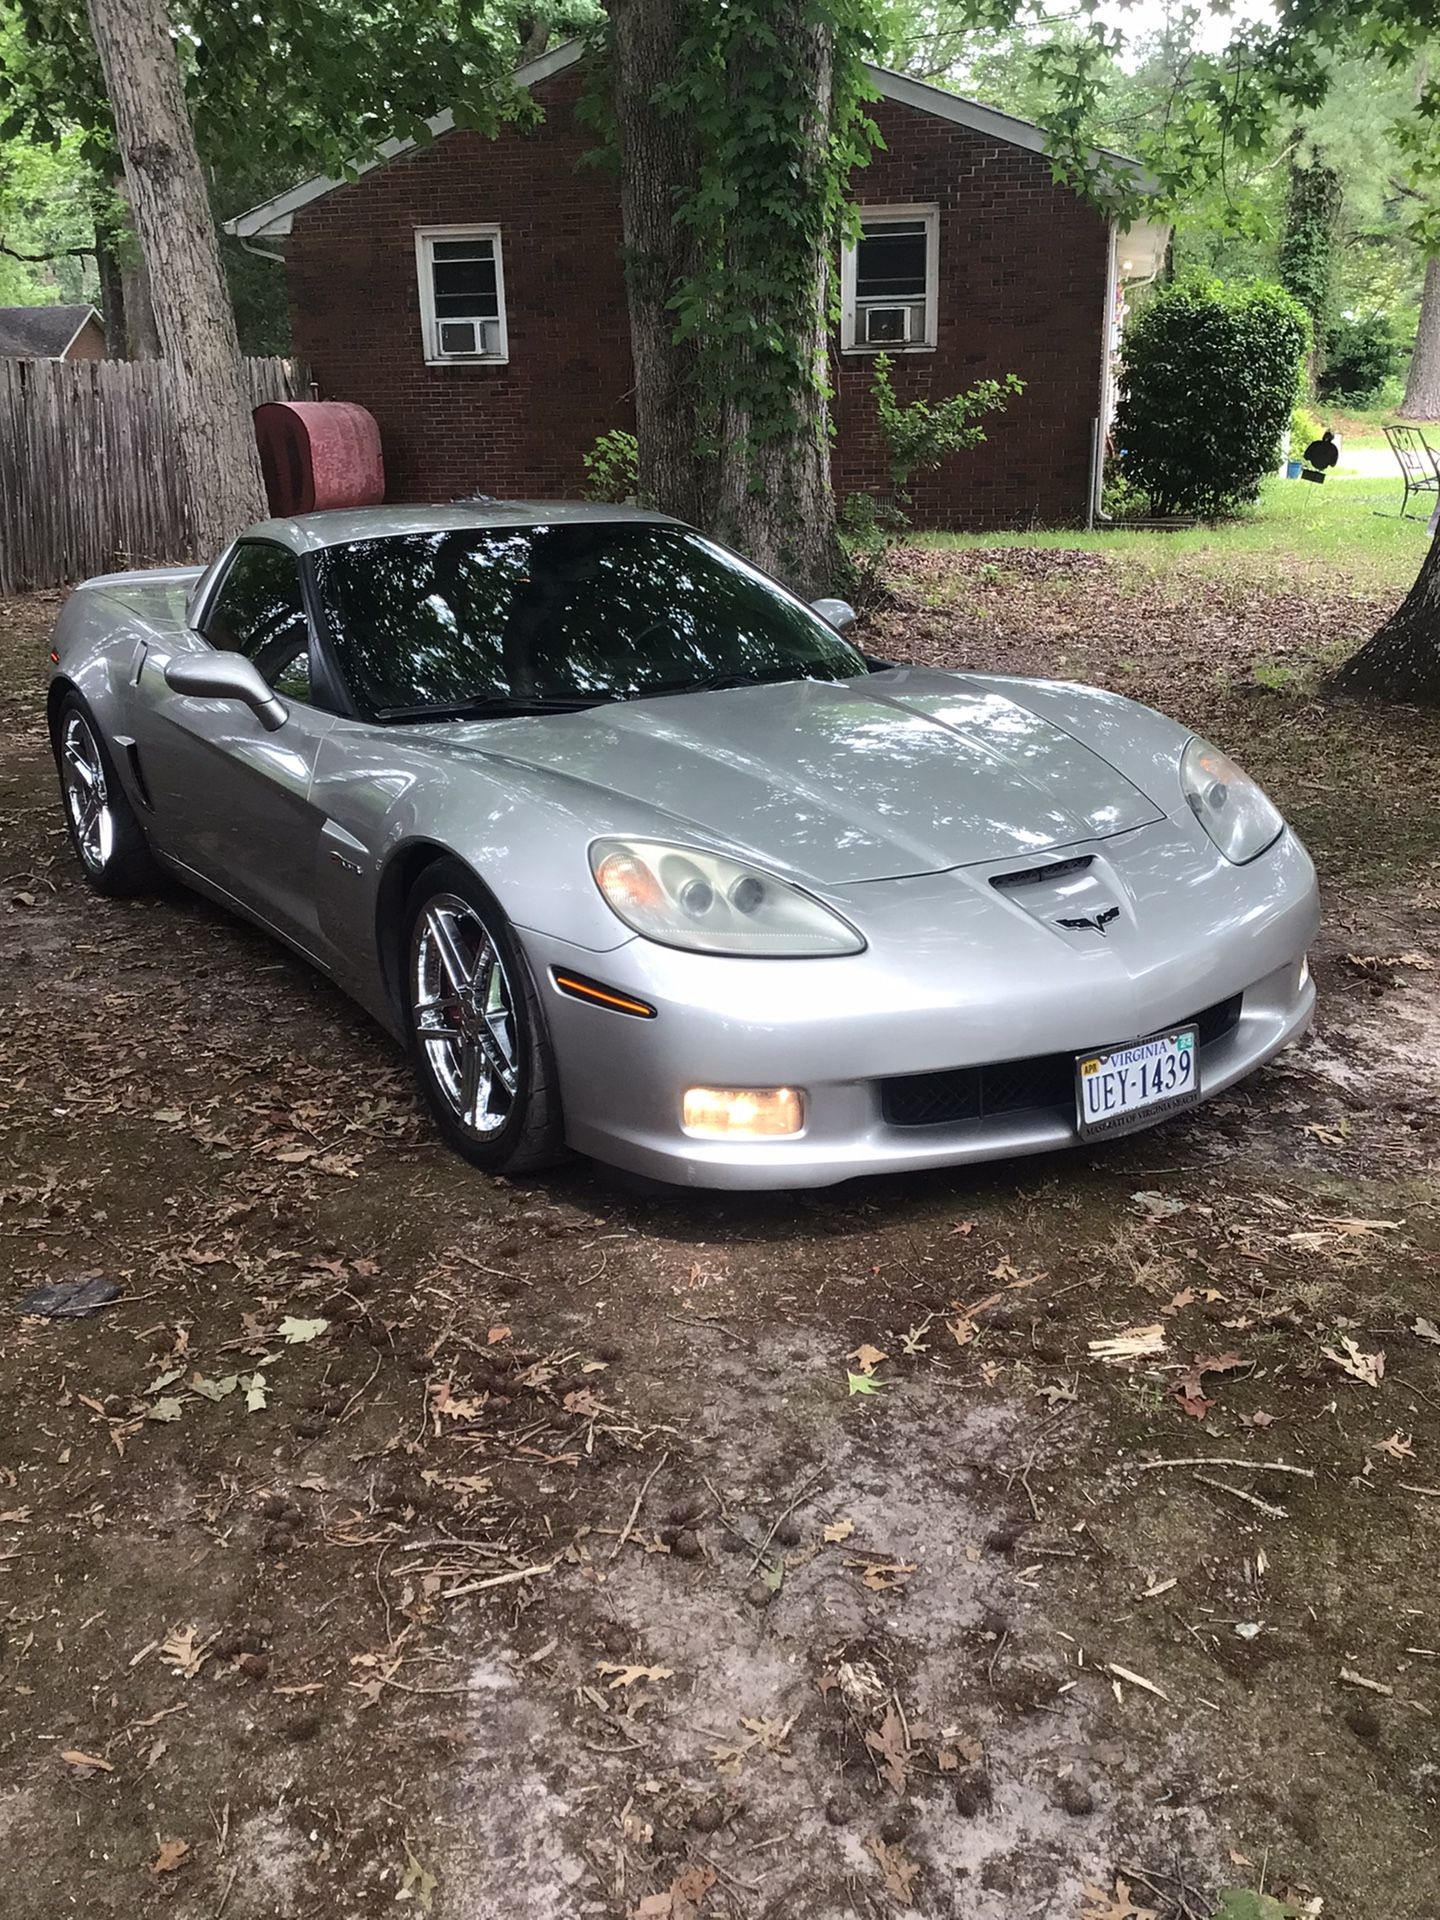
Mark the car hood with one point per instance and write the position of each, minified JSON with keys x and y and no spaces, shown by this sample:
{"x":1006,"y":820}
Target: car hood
{"x":906,"y":772}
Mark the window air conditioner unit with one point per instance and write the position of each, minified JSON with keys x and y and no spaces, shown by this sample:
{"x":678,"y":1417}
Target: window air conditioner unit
{"x":469,"y":339}
{"x":899,"y":326}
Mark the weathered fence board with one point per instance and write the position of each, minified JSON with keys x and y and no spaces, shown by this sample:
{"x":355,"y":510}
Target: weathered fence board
{"x":90,"y":475}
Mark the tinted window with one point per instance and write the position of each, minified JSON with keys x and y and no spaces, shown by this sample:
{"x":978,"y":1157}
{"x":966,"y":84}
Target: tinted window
{"x":890,"y":262}
{"x":600,"y":610}
{"x":259,"y":612}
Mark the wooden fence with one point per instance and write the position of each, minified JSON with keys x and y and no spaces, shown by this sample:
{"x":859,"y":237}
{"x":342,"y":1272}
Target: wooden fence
{"x":90,"y":475}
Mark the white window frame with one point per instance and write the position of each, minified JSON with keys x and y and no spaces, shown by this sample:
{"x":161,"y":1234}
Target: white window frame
{"x":850,"y":341}
{"x":425,"y":238}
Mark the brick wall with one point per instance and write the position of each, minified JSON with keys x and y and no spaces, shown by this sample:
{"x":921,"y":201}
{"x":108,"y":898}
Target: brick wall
{"x":1022,"y":273}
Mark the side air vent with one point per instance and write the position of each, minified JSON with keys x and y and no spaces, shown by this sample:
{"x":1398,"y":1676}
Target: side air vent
{"x":1034,"y":876}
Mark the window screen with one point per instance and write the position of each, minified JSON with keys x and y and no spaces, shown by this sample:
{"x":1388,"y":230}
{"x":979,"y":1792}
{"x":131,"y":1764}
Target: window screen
{"x":890,"y":261}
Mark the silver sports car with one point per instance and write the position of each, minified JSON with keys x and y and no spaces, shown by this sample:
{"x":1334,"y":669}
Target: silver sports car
{"x":638,"y":855}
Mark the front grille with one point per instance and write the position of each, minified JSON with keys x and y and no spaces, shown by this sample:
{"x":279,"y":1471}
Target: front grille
{"x":1014,"y":1086}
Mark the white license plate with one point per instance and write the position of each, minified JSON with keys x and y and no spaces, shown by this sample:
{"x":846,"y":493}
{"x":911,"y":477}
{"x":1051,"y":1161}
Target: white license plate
{"x":1131,"y":1086}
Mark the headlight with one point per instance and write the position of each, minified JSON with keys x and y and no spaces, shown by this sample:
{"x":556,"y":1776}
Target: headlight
{"x":1227,"y":803}
{"x":684,"y":897}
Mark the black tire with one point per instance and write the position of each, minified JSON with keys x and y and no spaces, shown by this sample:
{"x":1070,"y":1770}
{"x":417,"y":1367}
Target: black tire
{"x":520,"y":1129}
{"x":112,"y":849}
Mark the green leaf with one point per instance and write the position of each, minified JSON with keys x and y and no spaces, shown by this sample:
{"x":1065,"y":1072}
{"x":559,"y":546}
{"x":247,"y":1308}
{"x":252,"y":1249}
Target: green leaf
{"x":292,"y":1332}
{"x":167,"y":1409}
{"x":773,"y":1575}
{"x":862,"y":1383}
{"x":1239,"y":1903}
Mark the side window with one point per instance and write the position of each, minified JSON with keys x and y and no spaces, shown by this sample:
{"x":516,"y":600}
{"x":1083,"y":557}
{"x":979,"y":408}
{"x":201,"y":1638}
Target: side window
{"x":889,"y":279}
{"x":259,"y":611}
{"x":462,"y":294}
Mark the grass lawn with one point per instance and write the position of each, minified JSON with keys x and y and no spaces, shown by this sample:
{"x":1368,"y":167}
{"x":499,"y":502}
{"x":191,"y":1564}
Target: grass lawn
{"x":1344,"y":537}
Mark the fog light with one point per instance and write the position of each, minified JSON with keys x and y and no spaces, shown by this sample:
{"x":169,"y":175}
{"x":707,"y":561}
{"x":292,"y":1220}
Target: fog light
{"x":742,"y":1113}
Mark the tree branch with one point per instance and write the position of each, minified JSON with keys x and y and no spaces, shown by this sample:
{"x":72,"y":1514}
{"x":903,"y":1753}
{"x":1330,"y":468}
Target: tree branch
{"x":39,"y":259}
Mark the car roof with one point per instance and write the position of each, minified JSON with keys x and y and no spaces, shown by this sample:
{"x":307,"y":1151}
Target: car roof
{"x":310,"y":532}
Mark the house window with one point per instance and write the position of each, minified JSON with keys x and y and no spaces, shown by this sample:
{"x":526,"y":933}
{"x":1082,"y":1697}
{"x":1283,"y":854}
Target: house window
{"x":462,"y":294}
{"x":888,"y":281}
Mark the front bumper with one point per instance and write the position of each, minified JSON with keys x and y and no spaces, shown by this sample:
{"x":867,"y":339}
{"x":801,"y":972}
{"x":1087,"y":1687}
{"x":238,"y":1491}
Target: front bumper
{"x":955,"y":976}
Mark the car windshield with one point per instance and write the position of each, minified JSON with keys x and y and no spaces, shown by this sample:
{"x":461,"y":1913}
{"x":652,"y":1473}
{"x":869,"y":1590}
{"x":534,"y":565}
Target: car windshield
{"x":515,"y":618}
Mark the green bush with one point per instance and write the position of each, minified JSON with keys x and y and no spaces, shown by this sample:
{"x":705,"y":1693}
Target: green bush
{"x":1360,"y":356}
{"x":919,"y":434}
{"x":612,"y":469}
{"x":1210,"y":374}
{"x":1304,"y":428}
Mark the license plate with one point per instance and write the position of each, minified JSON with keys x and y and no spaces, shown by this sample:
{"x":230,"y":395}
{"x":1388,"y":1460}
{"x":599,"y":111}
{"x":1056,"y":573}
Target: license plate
{"x":1131,"y":1086}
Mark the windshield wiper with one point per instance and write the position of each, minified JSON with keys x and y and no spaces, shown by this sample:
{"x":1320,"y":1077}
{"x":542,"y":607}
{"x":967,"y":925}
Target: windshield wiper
{"x":497,"y":707}
{"x":721,"y":682}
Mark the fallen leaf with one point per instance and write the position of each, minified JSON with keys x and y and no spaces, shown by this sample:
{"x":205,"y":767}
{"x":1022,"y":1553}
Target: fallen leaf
{"x":688,"y":1891}
{"x":867,"y":1358}
{"x":1398,"y":1446}
{"x":1132,"y":1344}
{"x":1178,"y":1302}
{"x":1427,"y":1330}
{"x":862,"y":1383}
{"x":17,"y":1516}
{"x":171,"y":1853}
{"x":1367,"y":1368}
{"x":443,"y":1401}
{"x":1159,"y":1206}
{"x":496,"y":1335}
{"x":1102,"y":1906}
{"x":416,"y":1883}
{"x":899,"y":1872}
{"x":180,"y":1647}
{"x":166,"y":1409}
{"x":74,"y":1758}
{"x":215,"y":1389}
{"x":254,"y":1385}
{"x":1059,"y":1393}
{"x":1261,"y":1419}
{"x":837,"y":1531}
{"x":627,"y":1676}
{"x":881,"y":1575}
{"x":295,"y":1332}
{"x":962,"y":1329}
{"x":890,"y":1745}
{"x":1189,"y":1389}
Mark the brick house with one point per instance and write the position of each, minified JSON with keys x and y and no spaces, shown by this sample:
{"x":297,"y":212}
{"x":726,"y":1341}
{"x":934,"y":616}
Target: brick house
{"x":51,"y":333}
{"x":470,"y":293}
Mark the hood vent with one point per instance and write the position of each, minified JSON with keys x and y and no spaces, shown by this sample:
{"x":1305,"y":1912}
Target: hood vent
{"x":1034,"y":876}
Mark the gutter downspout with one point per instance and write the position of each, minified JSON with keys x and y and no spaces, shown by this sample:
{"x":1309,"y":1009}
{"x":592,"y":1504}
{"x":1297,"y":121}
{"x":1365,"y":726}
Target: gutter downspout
{"x":1107,"y":346}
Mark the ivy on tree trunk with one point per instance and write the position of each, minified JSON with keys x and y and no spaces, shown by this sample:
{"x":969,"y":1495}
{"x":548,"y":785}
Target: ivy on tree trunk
{"x":737,"y":129}
{"x":176,"y":232}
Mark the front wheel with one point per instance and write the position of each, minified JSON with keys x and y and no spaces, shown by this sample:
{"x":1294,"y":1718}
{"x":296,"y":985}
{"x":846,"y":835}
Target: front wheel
{"x":477,"y":1029}
{"x":109,"y":841}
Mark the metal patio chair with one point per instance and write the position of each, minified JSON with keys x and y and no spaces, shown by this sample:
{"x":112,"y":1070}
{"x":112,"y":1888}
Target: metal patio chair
{"x":1418,"y":467}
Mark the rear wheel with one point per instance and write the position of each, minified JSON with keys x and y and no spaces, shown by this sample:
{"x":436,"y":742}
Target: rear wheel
{"x":477,"y":1029}
{"x":108,"y":839}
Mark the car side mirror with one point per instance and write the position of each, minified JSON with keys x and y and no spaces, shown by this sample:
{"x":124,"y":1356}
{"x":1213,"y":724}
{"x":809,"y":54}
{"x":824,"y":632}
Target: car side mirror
{"x":226,"y":676}
{"x":838,"y":613}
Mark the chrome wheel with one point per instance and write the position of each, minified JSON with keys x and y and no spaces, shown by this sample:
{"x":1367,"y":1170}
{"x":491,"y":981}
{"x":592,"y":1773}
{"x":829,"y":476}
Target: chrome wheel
{"x":463,"y":1006}
{"x":86,"y":798}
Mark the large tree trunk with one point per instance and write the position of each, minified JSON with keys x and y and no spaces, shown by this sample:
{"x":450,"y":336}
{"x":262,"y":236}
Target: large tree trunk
{"x":1422,"y":386}
{"x":704,"y":455}
{"x":177,"y":239}
{"x":1312,"y":209}
{"x":1402,"y":661}
{"x":659,"y":160}
{"x":773,"y":493}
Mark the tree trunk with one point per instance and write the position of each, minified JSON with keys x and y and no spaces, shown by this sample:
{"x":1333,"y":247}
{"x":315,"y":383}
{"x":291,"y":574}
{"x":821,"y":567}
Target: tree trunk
{"x":773,"y":494}
{"x":1422,"y":384}
{"x":1402,"y":661}
{"x":1312,"y":209}
{"x":659,"y":159}
{"x":112,"y":294}
{"x":182,"y":261}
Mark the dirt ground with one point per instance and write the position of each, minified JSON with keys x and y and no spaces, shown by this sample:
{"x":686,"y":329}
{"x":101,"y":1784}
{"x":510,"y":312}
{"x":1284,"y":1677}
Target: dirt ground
{"x":406,"y":1537}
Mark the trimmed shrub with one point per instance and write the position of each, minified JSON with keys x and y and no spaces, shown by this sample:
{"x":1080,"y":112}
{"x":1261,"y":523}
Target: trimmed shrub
{"x":1209,"y":377}
{"x":1360,"y":356}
